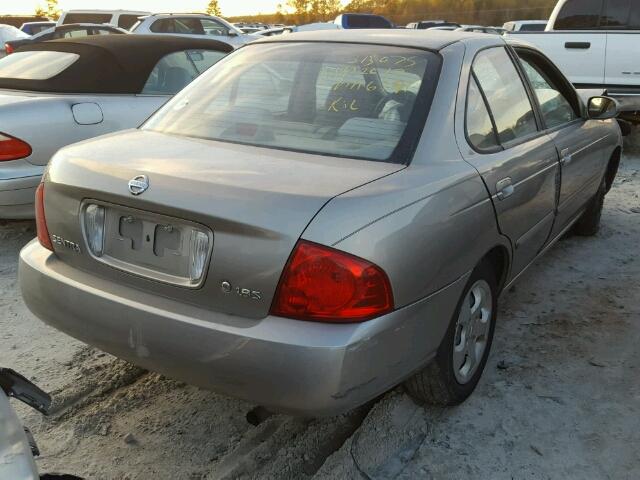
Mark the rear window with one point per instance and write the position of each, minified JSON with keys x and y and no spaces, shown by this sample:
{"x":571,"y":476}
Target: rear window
{"x":355,"y":101}
{"x":579,"y":15}
{"x":36,"y":65}
{"x":533,"y":27}
{"x":365,"y":21}
{"x":86,"y":18}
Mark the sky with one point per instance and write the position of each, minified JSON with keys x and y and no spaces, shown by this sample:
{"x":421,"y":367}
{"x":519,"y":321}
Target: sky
{"x":229,"y":7}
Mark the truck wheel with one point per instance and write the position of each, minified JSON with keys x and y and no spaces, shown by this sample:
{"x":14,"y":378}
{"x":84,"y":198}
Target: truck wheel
{"x":589,"y":223}
{"x":454,"y":373}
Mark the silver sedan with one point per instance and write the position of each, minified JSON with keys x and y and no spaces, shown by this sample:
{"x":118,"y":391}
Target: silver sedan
{"x":60,"y":92}
{"x":309,"y":239}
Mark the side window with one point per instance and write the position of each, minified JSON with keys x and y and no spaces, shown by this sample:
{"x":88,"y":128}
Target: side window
{"x":170,"y":75}
{"x":204,"y":59}
{"x":87,"y":18}
{"x":211,"y":27}
{"x":616,"y":14}
{"x":102,"y":31}
{"x":480,"y":129}
{"x":190,"y":26}
{"x":579,"y":15}
{"x":634,"y":16}
{"x":556,"y":108}
{"x":127,"y":21}
{"x":75,"y":33}
{"x":506,"y":95}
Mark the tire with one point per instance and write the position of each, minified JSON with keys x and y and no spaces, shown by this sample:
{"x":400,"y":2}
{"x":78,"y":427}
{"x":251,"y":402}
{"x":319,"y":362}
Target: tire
{"x":589,"y":223}
{"x":442,"y":382}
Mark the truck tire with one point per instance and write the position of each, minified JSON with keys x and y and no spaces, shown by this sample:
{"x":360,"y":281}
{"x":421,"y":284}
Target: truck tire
{"x":451,"y":377}
{"x":589,"y":223}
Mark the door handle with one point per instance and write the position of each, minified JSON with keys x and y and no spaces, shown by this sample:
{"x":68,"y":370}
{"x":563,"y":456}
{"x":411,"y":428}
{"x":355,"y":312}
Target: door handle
{"x":566,"y":156}
{"x":504,"y":188}
{"x":578,"y":45}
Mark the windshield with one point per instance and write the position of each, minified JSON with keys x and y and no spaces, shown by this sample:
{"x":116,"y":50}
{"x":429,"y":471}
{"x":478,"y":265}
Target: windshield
{"x":336,"y":99}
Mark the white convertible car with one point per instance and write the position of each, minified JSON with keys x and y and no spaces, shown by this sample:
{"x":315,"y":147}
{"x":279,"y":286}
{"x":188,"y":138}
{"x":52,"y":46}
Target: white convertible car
{"x":56,"y":93}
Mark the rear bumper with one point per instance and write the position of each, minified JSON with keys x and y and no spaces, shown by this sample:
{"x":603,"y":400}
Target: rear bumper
{"x":18,"y":182}
{"x":291,"y":366}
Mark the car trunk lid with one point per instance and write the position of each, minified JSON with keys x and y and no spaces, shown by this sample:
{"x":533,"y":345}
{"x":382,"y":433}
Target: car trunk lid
{"x":256,"y":202}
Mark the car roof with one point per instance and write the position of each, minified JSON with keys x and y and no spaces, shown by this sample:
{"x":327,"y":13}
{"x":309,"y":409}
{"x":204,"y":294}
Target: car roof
{"x":109,"y":64}
{"x":424,"y":39}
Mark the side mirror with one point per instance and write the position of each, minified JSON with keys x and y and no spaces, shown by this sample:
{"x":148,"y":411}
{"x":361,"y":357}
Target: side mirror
{"x":231,"y":33}
{"x":602,"y":108}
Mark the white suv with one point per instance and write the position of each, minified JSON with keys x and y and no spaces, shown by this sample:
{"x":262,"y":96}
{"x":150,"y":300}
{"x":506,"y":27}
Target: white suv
{"x":119,"y":18}
{"x":193,"y":25}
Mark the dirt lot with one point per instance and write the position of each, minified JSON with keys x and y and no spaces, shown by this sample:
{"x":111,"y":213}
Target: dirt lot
{"x":560,"y":398}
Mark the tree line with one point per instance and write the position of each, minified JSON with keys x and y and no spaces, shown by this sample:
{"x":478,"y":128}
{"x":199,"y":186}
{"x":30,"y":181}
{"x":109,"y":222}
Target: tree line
{"x":401,"y":12}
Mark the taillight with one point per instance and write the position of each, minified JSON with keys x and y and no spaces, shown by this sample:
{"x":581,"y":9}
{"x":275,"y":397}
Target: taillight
{"x":41,"y":221}
{"x":8,"y":49}
{"x":323,"y":284}
{"x":13,"y":148}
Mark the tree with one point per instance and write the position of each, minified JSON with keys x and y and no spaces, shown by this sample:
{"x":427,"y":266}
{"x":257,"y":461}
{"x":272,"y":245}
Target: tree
{"x":51,"y":11}
{"x":315,"y":10}
{"x":213,"y":8}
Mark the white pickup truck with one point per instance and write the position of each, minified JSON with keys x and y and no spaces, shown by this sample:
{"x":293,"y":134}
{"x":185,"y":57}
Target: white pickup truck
{"x":596,"y":43}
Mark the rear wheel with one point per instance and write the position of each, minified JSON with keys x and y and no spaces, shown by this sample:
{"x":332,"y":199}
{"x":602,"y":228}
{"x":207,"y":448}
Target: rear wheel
{"x":589,"y":223}
{"x":453,"y":375}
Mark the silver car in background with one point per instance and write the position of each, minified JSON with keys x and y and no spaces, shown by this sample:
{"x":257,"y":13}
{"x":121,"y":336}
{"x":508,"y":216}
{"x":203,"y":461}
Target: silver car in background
{"x":194,"y":25}
{"x":17,"y":446}
{"x":56,"y":93}
{"x":309,"y":240}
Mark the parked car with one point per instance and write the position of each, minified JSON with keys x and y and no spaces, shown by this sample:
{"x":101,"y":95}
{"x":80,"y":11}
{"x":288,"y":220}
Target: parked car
{"x":63,"y":91}
{"x":74,"y":30}
{"x":307,"y":245}
{"x":118,"y":18}
{"x":362,"y":20}
{"x":525,"y":26}
{"x":31,"y":28}
{"x":479,"y":29}
{"x":277,"y":31}
{"x":449,"y":28}
{"x":9,"y":33}
{"x":17,"y":447}
{"x":594,"y":43}
{"x":427,"y":24}
{"x":193,"y":25}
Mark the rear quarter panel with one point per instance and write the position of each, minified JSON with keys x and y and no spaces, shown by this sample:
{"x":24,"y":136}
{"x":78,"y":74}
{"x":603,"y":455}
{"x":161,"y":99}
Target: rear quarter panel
{"x":47,"y":123}
{"x":426,"y":226}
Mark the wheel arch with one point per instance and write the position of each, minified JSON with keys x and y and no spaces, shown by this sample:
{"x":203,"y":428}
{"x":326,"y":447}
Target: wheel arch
{"x":500,"y":259}
{"x":612,"y":168}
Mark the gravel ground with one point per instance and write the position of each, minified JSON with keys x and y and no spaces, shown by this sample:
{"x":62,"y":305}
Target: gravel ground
{"x":560,"y":397}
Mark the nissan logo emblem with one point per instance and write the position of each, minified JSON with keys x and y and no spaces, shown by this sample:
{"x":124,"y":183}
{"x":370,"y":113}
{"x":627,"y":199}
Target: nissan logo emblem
{"x":139,"y":184}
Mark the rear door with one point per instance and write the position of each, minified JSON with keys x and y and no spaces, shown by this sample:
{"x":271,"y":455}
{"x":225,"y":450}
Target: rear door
{"x":622,"y":22}
{"x":518,"y":163}
{"x":579,"y":142}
